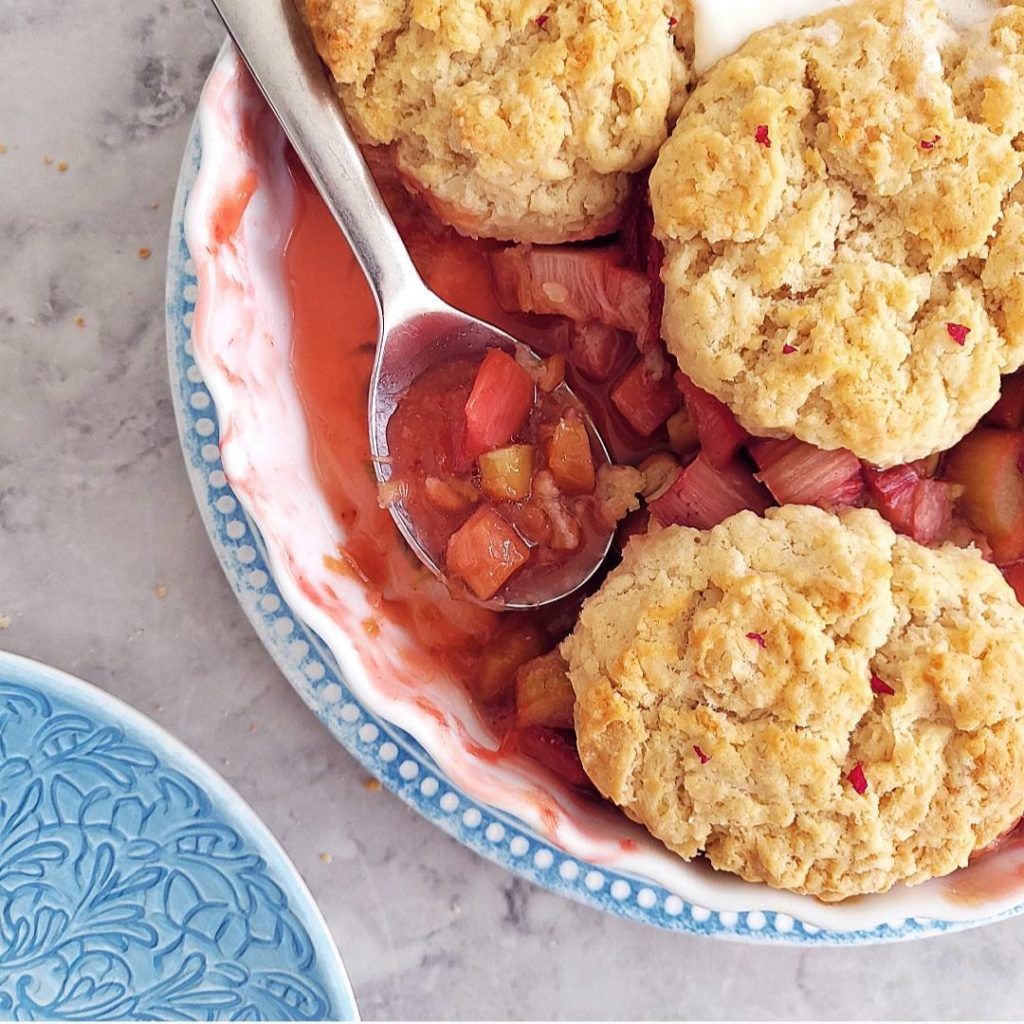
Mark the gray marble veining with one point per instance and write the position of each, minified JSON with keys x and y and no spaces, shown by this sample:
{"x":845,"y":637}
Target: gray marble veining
{"x":105,"y":571}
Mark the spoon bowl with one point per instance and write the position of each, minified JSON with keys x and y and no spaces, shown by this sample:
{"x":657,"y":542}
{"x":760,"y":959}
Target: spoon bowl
{"x":439,"y":333}
{"x":417,"y":329}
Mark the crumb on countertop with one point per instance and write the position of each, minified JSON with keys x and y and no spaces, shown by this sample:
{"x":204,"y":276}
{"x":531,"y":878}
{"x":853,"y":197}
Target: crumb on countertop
{"x":145,"y":252}
{"x":79,"y":321}
{"x":326,"y":857}
{"x":5,"y":621}
{"x":160,"y":590}
{"x":62,"y":166}
{"x":372,"y":785}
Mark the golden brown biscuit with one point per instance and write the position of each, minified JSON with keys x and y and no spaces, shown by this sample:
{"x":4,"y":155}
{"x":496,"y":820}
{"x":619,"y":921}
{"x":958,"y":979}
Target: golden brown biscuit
{"x":811,"y":700}
{"x":515,"y":118}
{"x":840,"y":207}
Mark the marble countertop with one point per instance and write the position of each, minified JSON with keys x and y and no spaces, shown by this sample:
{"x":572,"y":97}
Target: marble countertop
{"x":105,"y":571}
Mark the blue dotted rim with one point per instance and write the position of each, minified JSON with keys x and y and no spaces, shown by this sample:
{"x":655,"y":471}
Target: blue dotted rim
{"x":388,"y":753}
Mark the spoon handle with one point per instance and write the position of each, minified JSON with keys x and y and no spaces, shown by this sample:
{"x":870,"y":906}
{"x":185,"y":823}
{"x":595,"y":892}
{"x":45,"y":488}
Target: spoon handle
{"x":276,"y":46}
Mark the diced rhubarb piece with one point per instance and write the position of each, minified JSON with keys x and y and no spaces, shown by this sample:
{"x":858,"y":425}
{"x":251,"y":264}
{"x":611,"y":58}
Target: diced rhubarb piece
{"x":450,"y":494}
{"x":703,"y":496}
{"x":645,"y":395}
{"x":720,"y":434}
{"x":556,"y":750}
{"x":505,"y":473}
{"x":919,"y":508}
{"x":987,"y":465}
{"x":1008,"y":412}
{"x":586,"y":285}
{"x":765,"y":451}
{"x":544,"y":695}
{"x":485,"y":552}
{"x":597,"y":350}
{"x":1014,"y":573}
{"x":797,"y":473}
{"x":515,"y":644}
{"x":498,"y":404}
{"x":570,"y":459}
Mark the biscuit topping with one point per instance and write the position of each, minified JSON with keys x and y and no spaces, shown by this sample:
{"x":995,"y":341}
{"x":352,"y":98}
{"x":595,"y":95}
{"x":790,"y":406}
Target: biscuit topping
{"x":786,"y":799}
{"x":864,"y":222}
{"x":511,"y":123}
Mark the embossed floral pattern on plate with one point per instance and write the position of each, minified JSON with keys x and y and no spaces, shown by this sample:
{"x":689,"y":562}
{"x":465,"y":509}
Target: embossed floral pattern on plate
{"x":133,"y":884}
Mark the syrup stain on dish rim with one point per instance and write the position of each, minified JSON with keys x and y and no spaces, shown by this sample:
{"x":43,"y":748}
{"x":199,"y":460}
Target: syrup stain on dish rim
{"x":616,"y":854}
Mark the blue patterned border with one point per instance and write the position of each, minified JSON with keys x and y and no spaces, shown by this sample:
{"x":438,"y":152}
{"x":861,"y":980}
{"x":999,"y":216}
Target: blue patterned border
{"x":388,"y":753}
{"x":134,"y":883}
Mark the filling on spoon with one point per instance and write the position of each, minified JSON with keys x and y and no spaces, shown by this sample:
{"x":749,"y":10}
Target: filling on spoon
{"x":493,"y":465}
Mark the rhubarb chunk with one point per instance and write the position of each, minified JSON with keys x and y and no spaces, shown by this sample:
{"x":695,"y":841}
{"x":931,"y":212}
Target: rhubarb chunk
{"x":720,"y":435}
{"x":645,"y":399}
{"x":797,"y":473}
{"x":703,"y":496}
{"x":485,"y":552}
{"x":919,"y":508}
{"x":570,"y":459}
{"x":586,"y":285}
{"x":498,"y":404}
{"x":516,"y":644}
{"x":505,"y":473}
{"x":598,"y":351}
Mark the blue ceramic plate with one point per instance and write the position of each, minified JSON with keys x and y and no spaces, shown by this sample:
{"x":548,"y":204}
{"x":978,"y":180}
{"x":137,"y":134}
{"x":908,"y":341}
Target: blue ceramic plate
{"x":718,"y":906}
{"x":134,"y":883}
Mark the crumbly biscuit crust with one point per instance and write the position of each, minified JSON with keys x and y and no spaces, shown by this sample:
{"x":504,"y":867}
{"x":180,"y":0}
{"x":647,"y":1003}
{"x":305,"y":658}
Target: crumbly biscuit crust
{"x":834,"y":195}
{"x":724,"y":699}
{"x":515,"y":118}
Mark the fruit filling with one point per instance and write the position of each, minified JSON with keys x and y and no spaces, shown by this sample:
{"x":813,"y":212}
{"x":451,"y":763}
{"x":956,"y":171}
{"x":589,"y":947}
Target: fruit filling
{"x":493,"y":464}
{"x":493,"y":461}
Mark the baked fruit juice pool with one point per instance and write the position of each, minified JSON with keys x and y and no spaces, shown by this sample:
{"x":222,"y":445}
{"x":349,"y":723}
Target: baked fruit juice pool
{"x":592,"y":308}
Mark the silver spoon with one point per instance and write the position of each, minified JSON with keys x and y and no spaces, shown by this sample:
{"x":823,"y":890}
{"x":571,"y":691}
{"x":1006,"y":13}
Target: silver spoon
{"x":417,"y":329}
